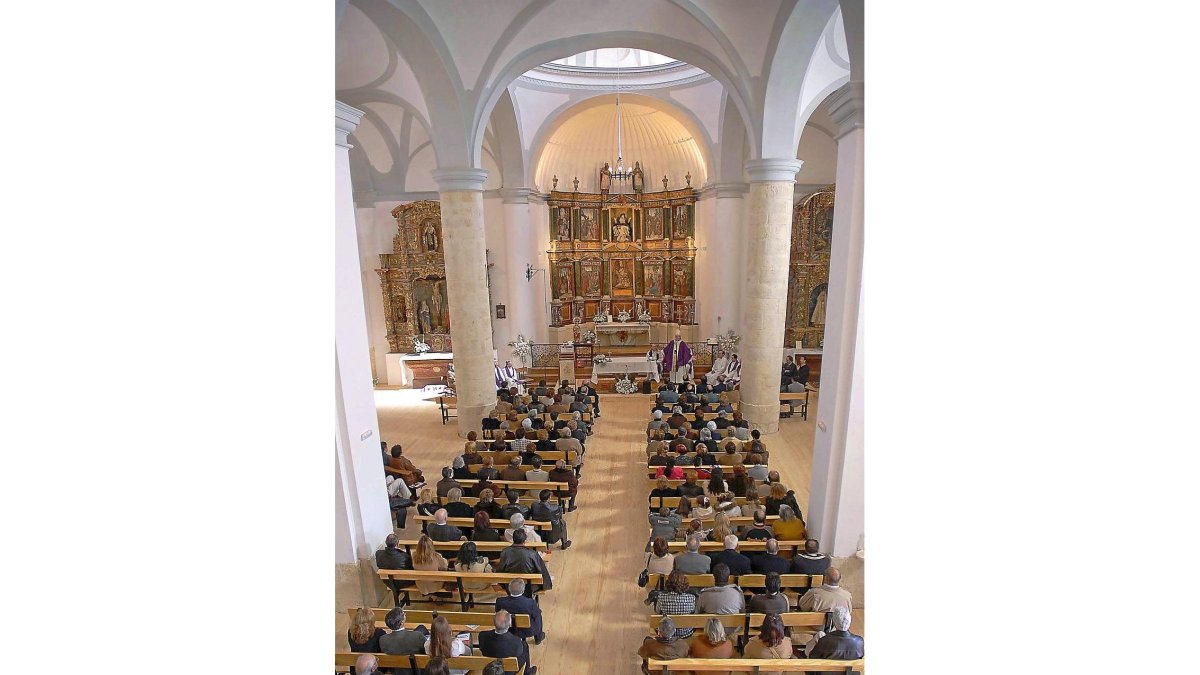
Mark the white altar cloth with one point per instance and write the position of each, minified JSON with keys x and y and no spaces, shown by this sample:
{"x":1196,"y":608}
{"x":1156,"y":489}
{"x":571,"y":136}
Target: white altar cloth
{"x":625,"y":364}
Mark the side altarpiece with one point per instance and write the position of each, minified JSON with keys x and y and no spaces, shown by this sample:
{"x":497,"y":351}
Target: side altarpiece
{"x":808,"y":271}
{"x":413,"y":277}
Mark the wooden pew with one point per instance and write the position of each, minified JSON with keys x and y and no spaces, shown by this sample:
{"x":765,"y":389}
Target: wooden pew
{"x":497,"y":523}
{"x":404,"y":582}
{"x":490,"y":549}
{"x":755,"y":665}
{"x":448,"y":407}
{"x":726,"y":471}
{"x":735,"y":521}
{"x":548,"y":456}
{"x":503,"y":501}
{"x":750,"y":583}
{"x":460,"y":622}
{"x":787,"y":549}
{"x":417,"y":662}
{"x":692,"y":456}
{"x":802,"y":397}
{"x":673,"y":502}
{"x":748,"y":622}
{"x":560,"y":490}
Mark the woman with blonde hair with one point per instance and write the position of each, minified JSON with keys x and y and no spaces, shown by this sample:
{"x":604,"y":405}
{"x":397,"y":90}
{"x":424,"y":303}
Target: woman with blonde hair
{"x":778,"y":497}
{"x":442,"y":642}
{"x":427,"y":502}
{"x":722,"y":527}
{"x":713,"y":643}
{"x":425,"y":558}
{"x":790,"y":526}
{"x":488,"y":470}
{"x":363,"y":636}
{"x":487,"y":504}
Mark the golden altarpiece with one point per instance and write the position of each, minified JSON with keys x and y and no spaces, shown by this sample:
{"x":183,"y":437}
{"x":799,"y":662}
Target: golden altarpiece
{"x":413,"y":277}
{"x":613,"y":252}
{"x":808,"y":271}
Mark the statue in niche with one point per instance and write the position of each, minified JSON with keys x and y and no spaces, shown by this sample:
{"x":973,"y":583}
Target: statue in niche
{"x":587,"y":225}
{"x":818,"y":308}
{"x":564,"y":225}
{"x":399,"y":309}
{"x":654,"y":223}
{"x":429,"y":237}
{"x":680,"y":278}
{"x":441,"y":318}
{"x":624,"y":278}
{"x":622,"y":231}
{"x":639,"y":179}
{"x":423,"y":317}
{"x":605,"y":178}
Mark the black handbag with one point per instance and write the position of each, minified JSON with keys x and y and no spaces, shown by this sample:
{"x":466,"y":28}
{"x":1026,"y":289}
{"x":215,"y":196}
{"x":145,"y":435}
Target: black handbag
{"x":644,"y":577}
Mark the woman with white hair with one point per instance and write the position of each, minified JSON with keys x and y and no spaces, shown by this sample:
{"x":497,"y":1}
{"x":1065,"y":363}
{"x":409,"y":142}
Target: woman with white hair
{"x":713,"y":643}
{"x":518,"y":523}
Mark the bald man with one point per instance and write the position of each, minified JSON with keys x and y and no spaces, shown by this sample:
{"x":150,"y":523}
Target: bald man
{"x":502,"y":643}
{"x":828,"y":596}
{"x":366,"y":664}
{"x":440,"y":530}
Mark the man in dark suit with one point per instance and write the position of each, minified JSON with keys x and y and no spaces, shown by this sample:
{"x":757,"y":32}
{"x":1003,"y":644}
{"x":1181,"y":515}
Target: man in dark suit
{"x":501,"y":644}
{"x":401,"y":640}
{"x":838,"y":643}
{"x":391,"y":558}
{"x":440,"y":531}
{"x":514,"y":505}
{"x":551,"y":513}
{"x":517,"y":603}
{"x":588,"y":390}
{"x":737,"y":563}
{"x":811,"y":561}
{"x":770,"y":561}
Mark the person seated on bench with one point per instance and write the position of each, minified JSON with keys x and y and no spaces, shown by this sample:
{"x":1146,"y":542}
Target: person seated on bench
{"x":500,"y":643}
{"x":752,"y":504}
{"x":482,"y":530}
{"x":487,"y":504}
{"x":438,"y":665}
{"x":585,"y":391}
{"x":779,"y":496}
{"x":730,"y":455}
{"x":545,"y":511}
{"x":579,"y":429}
{"x":771,"y":602}
{"x":518,"y":523}
{"x":469,"y":560}
{"x":456,"y":508}
{"x":412,"y":475}
{"x":460,"y":469}
{"x":690,"y":488}
{"x":427,"y":559}
{"x":733,"y":561}
{"x":692,"y":561}
{"x":662,"y":489}
{"x":668,"y":395}
{"x":669,"y":470}
{"x":440,"y":530}
{"x":427,"y":503}
{"x":757,"y":469}
{"x":537,"y":473}
{"x":811,"y":561}
{"x":488,"y":470}
{"x":471,"y":456}
{"x":401,"y":640}
{"x":713,"y":643}
{"x":704,"y":508}
{"x":442,"y":642}
{"x":789,"y":527}
{"x":828,"y":596}
{"x":722,"y":528}
{"x":792,"y":387}
{"x":566,"y":442}
{"x":674,"y":599}
{"x":447,"y":482}
{"x":663,"y":524}
{"x":723,"y":597}
{"x":367,"y":664}
{"x":392,"y":558}
{"x":839,"y":644}
{"x":562,"y":474}
{"x":484,"y":485}
{"x":663,"y":645}
{"x":741,"y":484}
{"x":771,"y":643}
{"x":362,"y":635}
{"x":514,"y":505}
{"x":513,"y":470}
{"x":518,"y":603}
{"x":676,"y":419}
{"x":770,"y":561}
{"x":520,"y":559}
{"x":759,"y":529}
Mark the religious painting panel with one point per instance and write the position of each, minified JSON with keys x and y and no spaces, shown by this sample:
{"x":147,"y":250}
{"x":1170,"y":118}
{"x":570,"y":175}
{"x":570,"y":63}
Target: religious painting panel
{"x":654,"y":224}
{"x":561,"y":228}
{"x":681,"y":224}
{"x":621,"y":230}
{"x":652,"y":273}
{"x":589,"y":273}
{"x":621,"y":271}
{"x":429,"y":299}
{"x":564,"y":280}
{"x":589,"y":224}
{"x":681,"y":278}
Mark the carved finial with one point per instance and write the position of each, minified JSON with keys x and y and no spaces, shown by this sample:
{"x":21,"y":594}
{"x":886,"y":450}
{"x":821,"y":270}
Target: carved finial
{"x":576,"y":183}
{"x":555,"y":182}
{"x":664,"y":182}
{"x":688,"y":178}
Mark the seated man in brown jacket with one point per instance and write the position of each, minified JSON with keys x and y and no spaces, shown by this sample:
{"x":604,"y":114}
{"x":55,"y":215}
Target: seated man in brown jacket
{"x":663,"y":645}
{"x":513,"y":470}
{"x":562,"y":474}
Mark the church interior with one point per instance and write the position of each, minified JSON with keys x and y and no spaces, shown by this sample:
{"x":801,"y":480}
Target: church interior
{"x":638,"y":206}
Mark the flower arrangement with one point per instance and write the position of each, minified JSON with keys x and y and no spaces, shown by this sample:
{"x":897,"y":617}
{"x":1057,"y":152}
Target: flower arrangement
{"x":601,"y":359}
{"x":600,"y":317}
{"x":589,"y":336}
{"x":626,"y":386}
{"x":624,"y":315}
{"x":729,"y":342}
{"x":645,"y":317}
{"x":419,"y":345}
{"x":522,"y":349}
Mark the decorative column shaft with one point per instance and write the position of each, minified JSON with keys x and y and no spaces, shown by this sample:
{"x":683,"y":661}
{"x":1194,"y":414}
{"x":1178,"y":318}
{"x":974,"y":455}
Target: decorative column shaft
{"x":728,"y":249}
{"x":523,"y":294}
{"x":836,"y":493}
{"x":764,"y":296}
{"x":461,"y":194}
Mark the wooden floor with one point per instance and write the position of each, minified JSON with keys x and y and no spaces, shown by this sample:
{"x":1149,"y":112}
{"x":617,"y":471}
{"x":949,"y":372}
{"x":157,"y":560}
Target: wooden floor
{"x":594,"y":618}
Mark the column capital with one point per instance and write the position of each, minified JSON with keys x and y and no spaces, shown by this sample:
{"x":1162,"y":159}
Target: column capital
{"x":517,"y":195}
{"x":728,"y":189}
{"x":773,"y":169}
{"x":345,"y":121}
{"x":846,"y":108}
{"x":449,"y":180}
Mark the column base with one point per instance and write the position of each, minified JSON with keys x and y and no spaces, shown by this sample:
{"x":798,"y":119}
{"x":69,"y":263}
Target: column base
{"x":357,"y":585}
{"x":765,"y":418}
{"x":470,"y":418}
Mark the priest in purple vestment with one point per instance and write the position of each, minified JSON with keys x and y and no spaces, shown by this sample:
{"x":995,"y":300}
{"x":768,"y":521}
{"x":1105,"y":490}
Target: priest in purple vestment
{"x":676,"y":358}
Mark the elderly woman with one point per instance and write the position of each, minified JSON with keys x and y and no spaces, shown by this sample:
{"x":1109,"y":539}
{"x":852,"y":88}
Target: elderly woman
{"x":682,"y":458}
{"x":461,"y":470}
{"x":771,"y":643}
{"x":790,"y":526}
{"x":518,"y":523}
{"x":713,"y":643}
{"x":706,"y":439}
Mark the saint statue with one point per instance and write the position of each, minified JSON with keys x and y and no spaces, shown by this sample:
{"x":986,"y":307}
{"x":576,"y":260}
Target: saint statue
{"x":622,"y":232}
{"x":423,"y":319}
{"x":438,"y":319}
{"x":639,"y":179}
{"x":605,"y":178}
{"x":429,"y":237}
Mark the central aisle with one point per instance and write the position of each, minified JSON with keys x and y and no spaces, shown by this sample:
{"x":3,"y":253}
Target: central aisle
{"x":594,"y":618}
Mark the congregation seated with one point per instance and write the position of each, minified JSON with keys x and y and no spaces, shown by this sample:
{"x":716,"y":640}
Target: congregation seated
{"x":471,"y":456}
{"x":757,"y":469}
{"x":483,"y":531}
{"x":426,"y":559}
{"x":759,"y":529}
{"x":516,"y":602}
{"x":690,"y":488}
{"x":469,"y":560}
{"x":520,"y":559}
{"x":741,"y":484}
{"x":460,"y":470}
{"x":367,"y":664}
{"x":790,"y":526}
{"x":443,"y":643}
{"x":675,"y":599}
{"x":727,"y":504}
{"x":811,"y":561}
{"x":663,"y":489}
{"x":838,"y":644}
{"x":561,"y":474}
{"x":513,"y":470}
{"x":502,"y":643}
{"x":663,"y":645}
{"x":669,"y":470}
{"x":713,"y":643}
{"x":723,"y":597}
{"x":772,"y":642}
{"x":778,"y":496}
{"x":517,"y":522}
{"x":661,"y":560}
{"x":692,"y":561}
{"x":362,"y":635}
{"x":514,"y":505}
{"x":734,"y":562}
{"x":828,"y":596}
{"x":567,"y":442}
{"x":537,"y":473}
{"x":439,"y":530}
{"x":722,"y":528}
{"x":391,"y":558}
{"x":400,"y":640}
{"x":772,"y":601}
{"x":770,"y":561}
{"x":487,"y":505}
{"x":455,"y":507}
{"x":427,"y":502}
{"x":703,"y":509}
{"x":752,"y":504}
{"x":663,"y":524}
{"x":546,"y":511}
{"x":400,"y":464}
{"x":488,"y":471}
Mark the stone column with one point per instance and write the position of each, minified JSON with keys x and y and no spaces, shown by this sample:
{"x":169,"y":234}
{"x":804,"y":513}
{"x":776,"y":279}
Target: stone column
{"x":523,"y":295}
{"x":363,"y":518}
{"x":461,"y":194}
{"x":728,"y":247}
{"x":836,"y":493}
{"x":764,"y":295}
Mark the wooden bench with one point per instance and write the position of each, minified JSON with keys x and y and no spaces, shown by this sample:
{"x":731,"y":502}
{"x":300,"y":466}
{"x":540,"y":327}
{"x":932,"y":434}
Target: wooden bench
{"x":786,"y":548}
{"x":651,"y":470}
{"x":691,"y":454}
{"x":755,"y":665}
{"x":735,"y":521}
{"x":403,"y":582}
{"x":808,"y":622}
{"x":673,"y":502}
{"x":749,"y":583}
{"x":490,"y":549}
{"x":416,"y":662}
{"x":548,"y":456}
{"x":801,"y":396}
{"x":460,"y":622}
{"x":472,"y":501}
{"x":497,"y":523}
{"x":448,"y":407}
